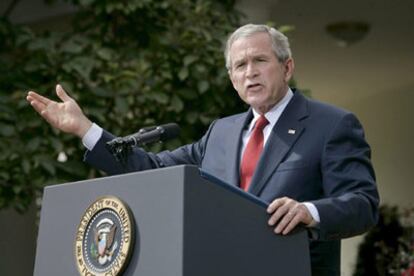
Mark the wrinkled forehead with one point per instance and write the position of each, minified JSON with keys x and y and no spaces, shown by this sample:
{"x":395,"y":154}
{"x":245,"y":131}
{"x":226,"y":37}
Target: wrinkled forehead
{"x":250,"y":46}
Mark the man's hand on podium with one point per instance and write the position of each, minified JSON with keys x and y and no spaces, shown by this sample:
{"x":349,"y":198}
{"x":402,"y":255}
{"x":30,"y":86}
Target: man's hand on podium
{"x":66,"y":115}
{"x":286,"y":214}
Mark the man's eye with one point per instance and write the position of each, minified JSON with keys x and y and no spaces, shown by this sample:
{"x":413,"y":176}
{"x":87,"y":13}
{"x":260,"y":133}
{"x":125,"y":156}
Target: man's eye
{"x":240,"y":65}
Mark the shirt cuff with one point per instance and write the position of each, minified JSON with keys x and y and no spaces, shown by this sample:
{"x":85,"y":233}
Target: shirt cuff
{"x":314,"y":213}
{"x":92,"y":136}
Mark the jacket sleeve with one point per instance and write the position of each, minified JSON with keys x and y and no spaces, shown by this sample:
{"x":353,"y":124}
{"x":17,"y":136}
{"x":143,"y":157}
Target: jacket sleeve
{"x":350,"y":204}
{"x":138,"y":159}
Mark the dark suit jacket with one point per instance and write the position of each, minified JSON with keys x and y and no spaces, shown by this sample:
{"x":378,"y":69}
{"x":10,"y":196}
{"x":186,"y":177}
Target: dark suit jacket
{"x":315,"y":153}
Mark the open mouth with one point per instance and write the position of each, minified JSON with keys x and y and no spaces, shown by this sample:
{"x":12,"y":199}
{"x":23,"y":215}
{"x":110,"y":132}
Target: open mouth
{"x":253,"y":86}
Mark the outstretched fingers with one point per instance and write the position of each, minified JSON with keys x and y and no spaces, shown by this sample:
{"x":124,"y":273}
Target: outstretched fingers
{"x":42,"y":105}
{"x":38,"y":102}
{"x":38,"y":106}
{"x":34,"y":97}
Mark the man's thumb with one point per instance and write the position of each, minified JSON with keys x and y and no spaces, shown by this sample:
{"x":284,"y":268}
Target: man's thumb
{"x":62,"y":94}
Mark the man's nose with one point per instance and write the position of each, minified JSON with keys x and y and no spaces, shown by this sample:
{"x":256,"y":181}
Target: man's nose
{"x":251,"y":71}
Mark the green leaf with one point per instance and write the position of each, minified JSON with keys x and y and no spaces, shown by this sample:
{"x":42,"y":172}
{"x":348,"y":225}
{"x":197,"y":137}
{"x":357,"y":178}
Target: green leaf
{"x":26,"y":166}
{"x":159,"y":97}
{"x":189,"y":60}
{"x":4,"y":176}
{"x":105,"y":53}
{"x":183,"y":74}
{"x":82,"y":65}
{"x":206,"y":119}
{"x":72,"y":47}
{"x":177,"y":104}
{"x":24,"y":38}
{"x":286,"y":28}
{"x":203,"y":86}
{"x":48,"y":166}
{"x":41,"y":44}
{"x":200,"y":68}
{"x":17,"y":189}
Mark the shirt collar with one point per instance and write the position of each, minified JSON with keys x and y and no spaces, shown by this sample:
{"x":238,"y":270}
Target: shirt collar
{"x":273,"y":114}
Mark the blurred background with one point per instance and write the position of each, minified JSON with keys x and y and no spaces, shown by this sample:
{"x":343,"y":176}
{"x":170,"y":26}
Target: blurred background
{"x":137,"y":63}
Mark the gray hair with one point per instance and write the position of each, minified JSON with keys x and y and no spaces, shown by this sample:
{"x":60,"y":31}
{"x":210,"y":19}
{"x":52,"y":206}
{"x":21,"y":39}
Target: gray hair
{"x":280,"y":43}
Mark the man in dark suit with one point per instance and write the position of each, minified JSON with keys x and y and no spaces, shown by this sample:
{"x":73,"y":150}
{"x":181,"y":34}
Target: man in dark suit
{"x":307,"y":159}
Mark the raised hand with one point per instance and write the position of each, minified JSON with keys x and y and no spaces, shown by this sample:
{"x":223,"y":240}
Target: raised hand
{"x":66,"y":115}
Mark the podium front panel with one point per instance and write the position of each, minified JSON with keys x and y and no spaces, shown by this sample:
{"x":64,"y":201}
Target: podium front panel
{"x":156,"y":200}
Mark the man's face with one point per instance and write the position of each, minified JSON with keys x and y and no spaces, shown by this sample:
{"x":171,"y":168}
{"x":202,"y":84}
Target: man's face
{"x":256,"y":73}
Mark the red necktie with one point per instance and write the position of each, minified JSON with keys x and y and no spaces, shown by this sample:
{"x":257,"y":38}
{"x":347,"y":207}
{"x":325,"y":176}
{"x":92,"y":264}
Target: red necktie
{"x":252,"y":153}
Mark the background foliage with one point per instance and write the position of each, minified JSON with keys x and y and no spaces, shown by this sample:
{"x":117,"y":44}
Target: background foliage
{"x":129,"y":64}
{"x":388,"y":249}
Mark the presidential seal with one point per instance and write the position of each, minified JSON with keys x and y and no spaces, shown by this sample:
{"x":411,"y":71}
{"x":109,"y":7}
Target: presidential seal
{"x":105,"y":238}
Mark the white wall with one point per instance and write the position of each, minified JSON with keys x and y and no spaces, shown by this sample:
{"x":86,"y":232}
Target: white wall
{"x":388,"y":121}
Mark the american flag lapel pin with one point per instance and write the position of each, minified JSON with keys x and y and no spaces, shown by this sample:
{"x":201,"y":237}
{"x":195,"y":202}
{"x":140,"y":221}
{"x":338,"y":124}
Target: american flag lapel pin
{"x":292,"y":131}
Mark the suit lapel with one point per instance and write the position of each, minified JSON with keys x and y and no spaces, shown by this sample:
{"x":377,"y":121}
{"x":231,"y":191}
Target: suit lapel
{"x":283,"y":136}
{"x":233,"y":145}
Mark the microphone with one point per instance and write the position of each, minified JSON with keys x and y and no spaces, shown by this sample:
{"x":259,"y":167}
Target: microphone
{"x":144,"y":136}
{"x":152,"y":134}
{"x":121,"y":146}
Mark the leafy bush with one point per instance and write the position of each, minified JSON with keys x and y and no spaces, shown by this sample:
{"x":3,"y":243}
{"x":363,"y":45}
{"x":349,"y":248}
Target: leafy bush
{"x":129,"y":64}
{"x":388,"y":249}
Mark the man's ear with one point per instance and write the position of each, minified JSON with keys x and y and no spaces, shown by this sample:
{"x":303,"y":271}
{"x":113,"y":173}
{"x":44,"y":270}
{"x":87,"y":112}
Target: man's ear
{"x":289,"y":68}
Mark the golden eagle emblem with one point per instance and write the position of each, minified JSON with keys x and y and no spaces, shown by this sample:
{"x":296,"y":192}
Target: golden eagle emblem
{"x":103,"y":247}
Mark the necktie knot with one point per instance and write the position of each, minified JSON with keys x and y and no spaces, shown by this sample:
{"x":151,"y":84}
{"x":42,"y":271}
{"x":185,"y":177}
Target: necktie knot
{"x":261,"y":123}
